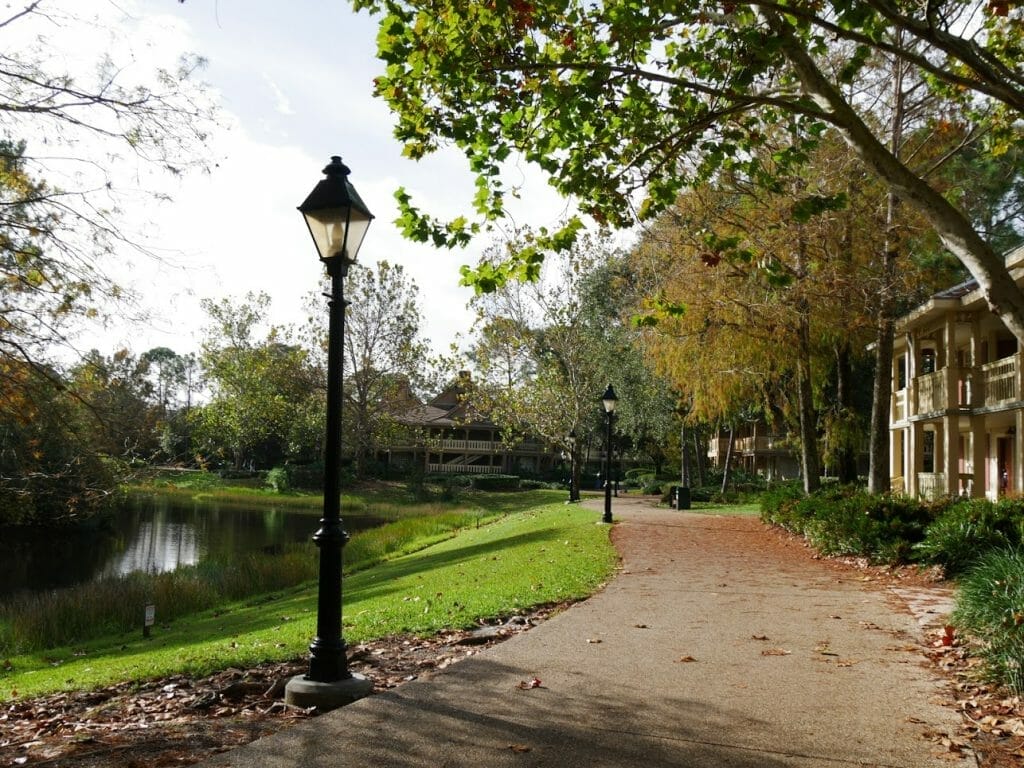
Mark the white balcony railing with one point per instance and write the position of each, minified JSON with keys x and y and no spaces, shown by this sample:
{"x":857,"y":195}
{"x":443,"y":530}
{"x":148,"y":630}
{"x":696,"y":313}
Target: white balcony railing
{"x":1000,"y":380}
{"x":759,"y":444}
{"x":931,"y":485}
{"x":469,"y":445}
{"x":931,"y":392}
{"x":464,"y":469}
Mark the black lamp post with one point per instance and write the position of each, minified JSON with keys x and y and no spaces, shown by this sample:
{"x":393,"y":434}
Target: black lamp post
{"x":337,"y":219}
{"x":610,"y":401}
{"x":574,"y":491}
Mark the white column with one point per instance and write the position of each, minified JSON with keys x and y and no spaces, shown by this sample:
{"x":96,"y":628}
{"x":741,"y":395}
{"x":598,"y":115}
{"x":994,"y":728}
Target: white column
{"x":979,"y":453}
{"x":951,"y":453}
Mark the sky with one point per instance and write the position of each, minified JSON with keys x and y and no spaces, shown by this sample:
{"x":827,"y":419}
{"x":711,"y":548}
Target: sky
{"x":293,"y":82}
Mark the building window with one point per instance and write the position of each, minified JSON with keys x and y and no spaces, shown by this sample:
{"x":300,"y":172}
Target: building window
{"x":928,"y":452}
{"x":927,"y":361}
{"x":901,"y":373}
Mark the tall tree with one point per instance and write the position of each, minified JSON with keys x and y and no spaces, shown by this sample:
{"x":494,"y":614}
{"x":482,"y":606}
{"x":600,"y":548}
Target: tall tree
{"x":51,"y":473}
{"x":265,"y":399}
{"x":384,"y":355}
{"x":60,"y":228}
{"x":569,"y":325}
{"x":117,"y":398}
{"x":616,"y":97}
{"x":767,"y":291}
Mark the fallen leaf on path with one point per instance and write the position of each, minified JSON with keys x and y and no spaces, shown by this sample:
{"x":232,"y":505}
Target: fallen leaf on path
{"x":685,"y":659}
{"x":776,"y":652}
{"x":759,"y":637}
{"x":533,"y":682}
{"x":593,"y":640}
{"x":947,"y":635}
{"x":519,"y":748}
{"x":845,"y":663}
{"x":640,"y":626}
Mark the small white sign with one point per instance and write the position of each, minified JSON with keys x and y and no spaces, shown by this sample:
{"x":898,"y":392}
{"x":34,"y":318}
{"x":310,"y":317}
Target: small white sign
{"x":150,"y":615}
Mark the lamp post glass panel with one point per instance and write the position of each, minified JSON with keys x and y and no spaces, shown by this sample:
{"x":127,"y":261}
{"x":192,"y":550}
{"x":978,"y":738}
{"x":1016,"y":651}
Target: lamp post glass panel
{"x":610,"y":401}
{"x":337,"y":219}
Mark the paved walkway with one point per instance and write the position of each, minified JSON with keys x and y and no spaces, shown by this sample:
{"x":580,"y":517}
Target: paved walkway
{"x":715,"y":646}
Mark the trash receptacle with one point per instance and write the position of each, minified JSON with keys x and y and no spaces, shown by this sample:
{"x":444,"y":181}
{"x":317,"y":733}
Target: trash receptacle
{"x":682,"y":499}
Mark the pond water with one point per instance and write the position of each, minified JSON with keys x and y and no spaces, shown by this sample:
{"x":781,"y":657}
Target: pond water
{"x":154,"y":534}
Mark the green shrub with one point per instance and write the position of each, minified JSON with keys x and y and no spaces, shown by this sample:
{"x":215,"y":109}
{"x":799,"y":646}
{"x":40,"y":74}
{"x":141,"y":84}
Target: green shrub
{"x":990,"y":606}
{"x":534,"y":485}
{"x":845,"y":520}
{"x":652,"y":487}
{"x":969,"y":529}
{"x":308,"y":477}
{"x":277,"y":480}
{"x":780,"y":505}
{"x":634,"y":478}
{"x":496,"y":482}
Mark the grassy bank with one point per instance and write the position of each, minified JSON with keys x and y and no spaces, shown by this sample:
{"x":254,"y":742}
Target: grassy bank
{"x":34,"y":621}
{"x":545,"y":554}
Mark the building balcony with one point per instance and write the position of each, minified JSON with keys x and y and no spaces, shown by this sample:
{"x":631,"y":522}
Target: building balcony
{"x":989,"y":386}
{"x":464,"y":469}
{"x":762,"y":444}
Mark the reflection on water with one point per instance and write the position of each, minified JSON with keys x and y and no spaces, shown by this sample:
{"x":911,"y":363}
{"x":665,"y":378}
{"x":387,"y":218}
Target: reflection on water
{"x":158,"y":545}
{"x":153,"y":534}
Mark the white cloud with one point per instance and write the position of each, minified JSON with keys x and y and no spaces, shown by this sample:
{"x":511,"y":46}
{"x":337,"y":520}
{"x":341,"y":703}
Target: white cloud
{"x":281,"y":102}
{"x":236,"y":229}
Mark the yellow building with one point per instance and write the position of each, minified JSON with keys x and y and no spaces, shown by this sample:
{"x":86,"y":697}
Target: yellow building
{"x":957,"y":403}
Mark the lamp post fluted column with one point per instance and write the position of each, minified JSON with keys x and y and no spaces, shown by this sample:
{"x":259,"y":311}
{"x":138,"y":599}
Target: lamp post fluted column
{"x":328,"y":660}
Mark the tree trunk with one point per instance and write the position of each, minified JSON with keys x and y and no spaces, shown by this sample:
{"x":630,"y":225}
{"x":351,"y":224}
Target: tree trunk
{"x":881,"y":391}
{"x":698,"y":457}
{"x":846,"y":461}
{"x":684,"y":456}
{"x":727,"y":469}
{"x":805,"y":392}
{"x":808,"y":427}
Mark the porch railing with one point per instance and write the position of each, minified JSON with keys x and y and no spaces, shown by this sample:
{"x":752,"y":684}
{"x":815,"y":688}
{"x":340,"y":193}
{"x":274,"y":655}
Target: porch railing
{"x":469,"y":469}
{"x":931,"y":392}
{"x":931,"y":485}
{"x":759,"y":444}
{"x":1000,"y":380}
{"x":469,"y":445}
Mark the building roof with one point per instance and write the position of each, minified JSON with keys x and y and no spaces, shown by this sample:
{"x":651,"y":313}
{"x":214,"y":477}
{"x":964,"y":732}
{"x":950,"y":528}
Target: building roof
{"x":962,"y":294}
{"x":450,"y":408}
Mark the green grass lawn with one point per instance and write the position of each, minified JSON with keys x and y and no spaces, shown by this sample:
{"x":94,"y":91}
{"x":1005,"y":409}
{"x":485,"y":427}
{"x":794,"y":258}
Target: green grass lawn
{"x":549,"y":553}
{"x":715,"y":508}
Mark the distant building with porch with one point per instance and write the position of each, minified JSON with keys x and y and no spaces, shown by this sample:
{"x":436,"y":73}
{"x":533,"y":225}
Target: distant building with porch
{"x":957,"y":407}
{"x":448,"y":434}
{"x":757,"y":449}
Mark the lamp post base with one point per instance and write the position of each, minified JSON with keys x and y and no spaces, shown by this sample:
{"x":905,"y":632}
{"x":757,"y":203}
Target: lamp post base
{"x":300,"y":692}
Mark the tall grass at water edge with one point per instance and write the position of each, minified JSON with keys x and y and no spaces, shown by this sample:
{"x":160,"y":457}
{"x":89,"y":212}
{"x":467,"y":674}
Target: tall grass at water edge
{"x":37,"y":621}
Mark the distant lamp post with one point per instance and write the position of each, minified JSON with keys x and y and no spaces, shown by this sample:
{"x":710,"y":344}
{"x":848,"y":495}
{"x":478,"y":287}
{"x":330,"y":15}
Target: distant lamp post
{"x":574,"y":490}
{"x":337,"y":219}
{"x":610,"y":401}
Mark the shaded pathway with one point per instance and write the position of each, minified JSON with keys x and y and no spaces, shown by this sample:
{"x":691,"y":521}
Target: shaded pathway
{"x":717,"y":644}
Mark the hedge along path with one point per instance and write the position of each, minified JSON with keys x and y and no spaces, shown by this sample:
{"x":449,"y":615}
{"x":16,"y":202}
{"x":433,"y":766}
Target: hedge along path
{"x":547,"y":554}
